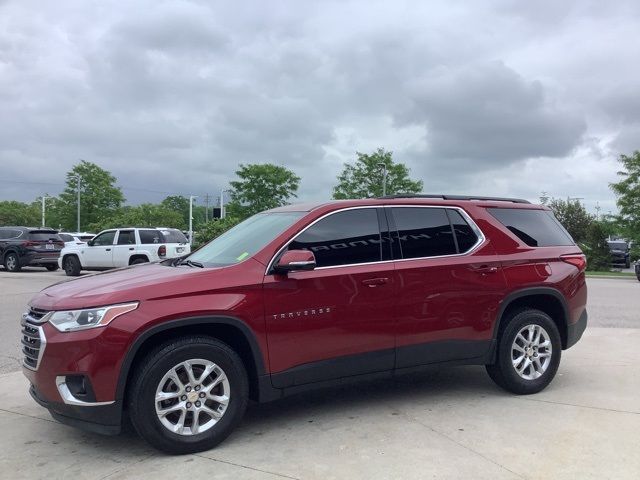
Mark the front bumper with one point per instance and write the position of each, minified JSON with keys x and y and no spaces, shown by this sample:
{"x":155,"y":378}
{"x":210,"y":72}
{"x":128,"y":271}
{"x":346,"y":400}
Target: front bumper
{"x":104,"y":419}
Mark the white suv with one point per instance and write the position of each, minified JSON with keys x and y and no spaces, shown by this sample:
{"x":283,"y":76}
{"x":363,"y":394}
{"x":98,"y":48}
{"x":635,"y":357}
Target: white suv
{"x":121,"y":247}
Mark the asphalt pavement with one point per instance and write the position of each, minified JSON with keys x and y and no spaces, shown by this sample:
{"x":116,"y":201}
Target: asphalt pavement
{"x":443,"y":423}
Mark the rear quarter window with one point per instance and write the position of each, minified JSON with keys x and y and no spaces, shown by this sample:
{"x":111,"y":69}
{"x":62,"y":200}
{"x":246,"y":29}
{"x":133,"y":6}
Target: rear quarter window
{"x":173,"y":236}
{"x":536,"y":228}
{"x":148,"y":237}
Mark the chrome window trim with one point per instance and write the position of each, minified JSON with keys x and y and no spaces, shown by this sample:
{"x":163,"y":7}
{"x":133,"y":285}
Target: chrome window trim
{"x":481,"y":237}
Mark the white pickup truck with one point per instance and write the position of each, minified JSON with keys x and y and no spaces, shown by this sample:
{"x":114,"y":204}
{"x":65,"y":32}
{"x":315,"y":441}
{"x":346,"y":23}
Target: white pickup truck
{"x":121,"y":247}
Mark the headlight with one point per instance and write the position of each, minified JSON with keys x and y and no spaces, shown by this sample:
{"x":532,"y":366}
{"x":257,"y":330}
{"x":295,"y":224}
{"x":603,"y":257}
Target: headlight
{"x":72,"y":320}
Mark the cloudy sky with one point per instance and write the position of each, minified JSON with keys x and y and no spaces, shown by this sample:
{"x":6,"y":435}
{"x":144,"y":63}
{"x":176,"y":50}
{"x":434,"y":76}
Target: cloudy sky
{"x":503,"y":98}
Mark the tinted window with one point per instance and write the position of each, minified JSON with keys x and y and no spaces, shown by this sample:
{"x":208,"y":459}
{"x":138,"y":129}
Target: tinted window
{"x":66,"y":237}
{"x":465,"y":235}
{"x":423,"y":232}
{"x":344,"y":238}
{"x":43,"y":235}
{"x":536,"y":228}
{"x":150,"y":236}
{"x":5,"y":234}
{"x":105,"y":238}
{"x":127,"y":237}
{"x":173,"y":236}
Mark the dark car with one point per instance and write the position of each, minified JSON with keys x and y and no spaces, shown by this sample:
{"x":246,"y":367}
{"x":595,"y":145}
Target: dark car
{"x":619,"y":252}
{"x":308,"y":296}
{"x":29,"y":247}
{"x":637,"y":268}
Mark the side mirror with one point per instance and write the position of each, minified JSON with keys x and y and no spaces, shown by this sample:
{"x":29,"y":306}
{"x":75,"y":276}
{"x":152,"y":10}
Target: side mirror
{"x":294,"y":260}
{"x":90,"y":243}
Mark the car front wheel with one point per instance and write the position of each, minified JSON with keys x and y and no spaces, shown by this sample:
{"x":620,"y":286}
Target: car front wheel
{"x":72,"y":266}
{"x":529,"y":351}
{"x":188,"y":395}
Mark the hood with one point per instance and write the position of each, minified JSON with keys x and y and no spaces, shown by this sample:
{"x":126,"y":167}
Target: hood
{"x":125,"y":285}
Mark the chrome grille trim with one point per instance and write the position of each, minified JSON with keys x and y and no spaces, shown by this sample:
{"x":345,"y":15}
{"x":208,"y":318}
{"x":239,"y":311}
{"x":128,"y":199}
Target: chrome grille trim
{"x":33,"y":343}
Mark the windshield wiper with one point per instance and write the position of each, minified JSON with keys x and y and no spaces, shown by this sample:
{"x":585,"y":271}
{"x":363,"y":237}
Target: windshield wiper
{"x":191,"y":263}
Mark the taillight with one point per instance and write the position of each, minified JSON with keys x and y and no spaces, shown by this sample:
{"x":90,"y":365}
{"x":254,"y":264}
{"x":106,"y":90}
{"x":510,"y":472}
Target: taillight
{"x":29,"y":243}
{"x":579,"y":260}
{"x":162,"y":251}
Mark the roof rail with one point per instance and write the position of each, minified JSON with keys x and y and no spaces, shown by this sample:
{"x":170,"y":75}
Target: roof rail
{"x":455,"y":197}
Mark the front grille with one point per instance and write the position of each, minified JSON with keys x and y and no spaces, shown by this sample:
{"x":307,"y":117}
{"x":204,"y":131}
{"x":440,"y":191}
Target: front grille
{"x":36,"y":313}
{"x":33,"y":343}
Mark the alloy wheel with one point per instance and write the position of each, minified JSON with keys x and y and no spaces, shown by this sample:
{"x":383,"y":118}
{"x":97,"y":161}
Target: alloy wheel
{"x":531,"y":352}
{"x":192,"y":397}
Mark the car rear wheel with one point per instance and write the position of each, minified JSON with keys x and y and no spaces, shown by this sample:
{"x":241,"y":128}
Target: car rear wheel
{"x":72,"y":266}
{"x":188,"y":395}
{"x":529,"y":351}
{"x":12,"y":262}
{"x":138,"y":261}
{"x":51,"y":268}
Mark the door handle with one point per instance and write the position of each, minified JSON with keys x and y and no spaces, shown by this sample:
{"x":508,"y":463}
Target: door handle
{"x":131,"y":248}
{"x":374,"y":282}
{"x":108,"y":249}
{"x":485,"y":269}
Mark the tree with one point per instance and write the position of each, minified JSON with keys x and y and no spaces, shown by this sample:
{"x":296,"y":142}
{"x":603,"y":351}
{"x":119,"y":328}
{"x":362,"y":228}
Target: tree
{"x":100,"y":198}
{"x":19,"y":214}
{"x":144,"y":215}
{"x":573,"y":216}
{"x":596,"y":248}
{"x":627,"y":191}
{"x":364,"y":178}
{"x":178,"y":204}
{"x":261,"y":187}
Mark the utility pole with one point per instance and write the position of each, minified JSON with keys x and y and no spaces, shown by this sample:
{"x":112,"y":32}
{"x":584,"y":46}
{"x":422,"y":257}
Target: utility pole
{"x":78,"y":182}
{"x":222,"y":212}
{"x":44,"y":197}
{"x":206,"y":207}
{"x":383,"y":166}
{"x":191,"y":199}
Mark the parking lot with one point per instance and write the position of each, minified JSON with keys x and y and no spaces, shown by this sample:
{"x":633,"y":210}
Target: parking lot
{"x":443,"y":423}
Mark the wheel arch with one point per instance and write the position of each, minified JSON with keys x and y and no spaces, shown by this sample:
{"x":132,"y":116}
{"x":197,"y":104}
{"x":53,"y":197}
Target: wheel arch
{"x":546,"y":299}
{"x":230,"y":330}
{"x":136,"y":256}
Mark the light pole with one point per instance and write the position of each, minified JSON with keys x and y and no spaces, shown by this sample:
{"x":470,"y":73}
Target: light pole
{"x":222,"y":212}
{"x":191,"y":199}
{"x":383,"y":166}
{"x":44,"y":197}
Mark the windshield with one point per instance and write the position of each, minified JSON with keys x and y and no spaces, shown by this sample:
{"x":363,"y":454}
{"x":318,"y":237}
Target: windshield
{"x":245,"y":239}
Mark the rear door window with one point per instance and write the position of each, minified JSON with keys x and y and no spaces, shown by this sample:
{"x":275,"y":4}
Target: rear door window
{"x":423,"y":232}
{"x":343,"y":238}
{"x":536,"y":228}
{"x":66,"y":237}
{"x":127,"y":237}
{"x":150,"y":237}
{"x":465,"y":235}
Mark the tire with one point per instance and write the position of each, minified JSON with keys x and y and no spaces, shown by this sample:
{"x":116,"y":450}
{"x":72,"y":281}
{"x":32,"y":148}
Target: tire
{"x":627,"y":264}
{"x":138,"y":261}
{"x":72,"y":266}
{"x":152,"y":375}
{"x":51,"y":268}
{"x":539,"y":372}
{"x":12,"y":262}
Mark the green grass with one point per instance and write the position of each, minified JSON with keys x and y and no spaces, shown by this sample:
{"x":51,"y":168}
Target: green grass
{"x":611,"y":274}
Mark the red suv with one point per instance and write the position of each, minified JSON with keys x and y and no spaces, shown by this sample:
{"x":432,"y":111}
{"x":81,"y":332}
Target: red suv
{"x":305,"y":296}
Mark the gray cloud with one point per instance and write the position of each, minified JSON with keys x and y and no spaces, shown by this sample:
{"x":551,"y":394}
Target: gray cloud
{"x":171,"y":96}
